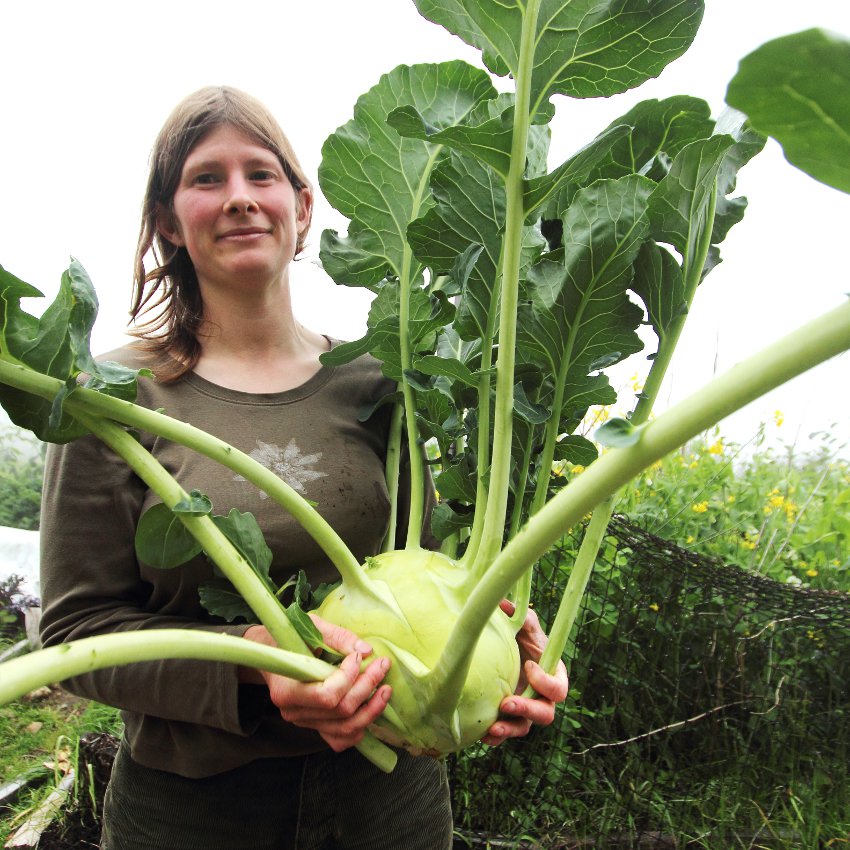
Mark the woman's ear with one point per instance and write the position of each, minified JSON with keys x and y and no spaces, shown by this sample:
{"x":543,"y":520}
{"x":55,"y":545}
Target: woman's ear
{"x":304,"y":212}
{"x":166,"y":226}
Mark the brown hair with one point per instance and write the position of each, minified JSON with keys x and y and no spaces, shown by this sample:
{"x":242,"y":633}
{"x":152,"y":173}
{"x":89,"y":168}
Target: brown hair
{"x":168,"y":296}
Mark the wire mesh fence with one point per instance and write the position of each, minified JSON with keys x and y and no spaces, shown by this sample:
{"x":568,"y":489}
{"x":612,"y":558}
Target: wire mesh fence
{"x":709,"y":707}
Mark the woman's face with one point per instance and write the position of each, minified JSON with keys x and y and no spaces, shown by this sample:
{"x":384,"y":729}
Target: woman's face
{"x":236,"y":212}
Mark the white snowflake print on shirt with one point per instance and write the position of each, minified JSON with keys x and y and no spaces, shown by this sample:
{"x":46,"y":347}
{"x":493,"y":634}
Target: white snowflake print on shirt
{"x":288,"y":464}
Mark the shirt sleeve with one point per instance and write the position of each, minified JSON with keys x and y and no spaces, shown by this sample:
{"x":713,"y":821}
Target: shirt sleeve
{"x":91,"y":585}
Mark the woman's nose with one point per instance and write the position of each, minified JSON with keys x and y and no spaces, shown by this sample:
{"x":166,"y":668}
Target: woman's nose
{"x":240,"y":200}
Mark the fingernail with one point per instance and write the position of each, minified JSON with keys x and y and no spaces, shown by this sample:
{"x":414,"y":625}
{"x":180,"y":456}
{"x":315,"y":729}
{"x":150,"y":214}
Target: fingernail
{"x":362,"y":647}
{"x":385,"y":664}
{"x":510,"y":706}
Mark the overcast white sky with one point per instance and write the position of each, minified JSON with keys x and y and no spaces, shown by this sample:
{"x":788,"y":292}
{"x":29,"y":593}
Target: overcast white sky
{"x":86,"y":86}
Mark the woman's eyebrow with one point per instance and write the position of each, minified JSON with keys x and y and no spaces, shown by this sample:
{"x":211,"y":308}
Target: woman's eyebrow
{"x":253,"y":162}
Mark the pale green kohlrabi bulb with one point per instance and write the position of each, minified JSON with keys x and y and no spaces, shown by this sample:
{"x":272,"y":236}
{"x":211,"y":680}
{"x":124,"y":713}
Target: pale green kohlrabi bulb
{"x":419,"y":597}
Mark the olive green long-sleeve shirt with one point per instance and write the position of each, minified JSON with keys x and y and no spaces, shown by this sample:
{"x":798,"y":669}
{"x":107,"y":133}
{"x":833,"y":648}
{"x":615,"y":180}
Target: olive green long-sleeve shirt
{"x":190,"y":717}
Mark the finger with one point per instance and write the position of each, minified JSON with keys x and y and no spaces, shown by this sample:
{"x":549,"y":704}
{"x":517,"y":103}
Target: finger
{"x":299,"y":700}
{"x":553,"y":687}
{"x":340,"y":639}
{"x":540,"y":712}
{"x":508,"y":607}
{"x":364,"y":686}
{"x":506,"y":728}
{"x":343,"y":734}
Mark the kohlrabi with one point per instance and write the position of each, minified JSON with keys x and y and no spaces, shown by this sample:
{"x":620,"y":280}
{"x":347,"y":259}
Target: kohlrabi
{"x":503,"y":289}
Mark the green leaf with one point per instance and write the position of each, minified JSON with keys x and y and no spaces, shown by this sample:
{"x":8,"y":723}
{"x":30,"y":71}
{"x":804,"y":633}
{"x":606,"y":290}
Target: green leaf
{"x":469,"y":211}
{"x":583,"y":48}
{"x":356,"y":260}
{"x":243,"y":531}
{"x":553,"y":191}
{"x":378,"y":179}
{"x":220,"y":598}
{"x":629,"y":145}
{"x":679,"y":206}
{"x":197,"y":504}
{"x":576,"y":449}
{"x":446,"y":520}
{"x":577,"y":308}
{"x":617,"y":433}
{"x":489,"y":141}
{"x":794,"y":88}
{"x":449,"y":367}
{"x":162,"y":540}
{"x":58,"y":345}
{"x":531,"y":412}
{"x":302,"y":623}
{"x":457,"y":482}
{"x":658,"y":281}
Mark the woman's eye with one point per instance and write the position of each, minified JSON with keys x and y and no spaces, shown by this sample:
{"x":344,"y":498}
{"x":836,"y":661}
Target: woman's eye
{"x":204,"y":179}
{"x":263,"y":174}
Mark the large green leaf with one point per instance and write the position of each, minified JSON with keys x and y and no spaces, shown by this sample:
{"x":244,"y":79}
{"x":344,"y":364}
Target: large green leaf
{"x":629,"y":145}
{"x":469,"y":211}
{"x":583,"y":48}
{"x":680,"y":205}
{"x":378,"y":179}
{"x":578,"y":311}
{"x":795,"y":88}
{"x":487,"y":133}
{"x":56,"y":344}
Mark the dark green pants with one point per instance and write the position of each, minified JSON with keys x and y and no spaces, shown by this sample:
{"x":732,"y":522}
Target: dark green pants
{"x":327,"y":801}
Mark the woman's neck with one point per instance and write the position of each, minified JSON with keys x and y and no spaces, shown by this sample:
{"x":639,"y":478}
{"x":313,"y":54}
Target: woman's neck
{"x":257,"y":345}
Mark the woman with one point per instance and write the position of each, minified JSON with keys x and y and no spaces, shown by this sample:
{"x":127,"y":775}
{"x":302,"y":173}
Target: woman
{"x":214,"y":756}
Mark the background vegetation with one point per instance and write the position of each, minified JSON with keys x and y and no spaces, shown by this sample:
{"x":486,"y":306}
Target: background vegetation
{"x":21,"y":468}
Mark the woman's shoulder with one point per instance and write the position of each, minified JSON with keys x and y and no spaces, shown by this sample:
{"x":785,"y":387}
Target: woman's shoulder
{"x":133,"y":355}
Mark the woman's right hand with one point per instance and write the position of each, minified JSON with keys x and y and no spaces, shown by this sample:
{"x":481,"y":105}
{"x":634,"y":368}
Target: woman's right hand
{"x":341,"y":707}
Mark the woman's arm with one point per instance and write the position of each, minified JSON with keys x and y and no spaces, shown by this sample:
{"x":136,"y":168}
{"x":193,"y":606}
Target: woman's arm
{"x":91,"y":584}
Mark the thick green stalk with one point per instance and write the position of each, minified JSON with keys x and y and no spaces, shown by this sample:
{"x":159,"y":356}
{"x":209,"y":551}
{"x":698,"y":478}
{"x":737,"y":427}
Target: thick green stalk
{"x":89,"y":402}
{"x":78,"y":657}
{"x":406,"y":282}
{"x":392,"y":469}
{"x":785,"y":359}
{"x":417,"y":473}
{"x":568,"y":608}
{"x":483,"y":451}
{"x":57,"y":663}
{"x":500,"y":466}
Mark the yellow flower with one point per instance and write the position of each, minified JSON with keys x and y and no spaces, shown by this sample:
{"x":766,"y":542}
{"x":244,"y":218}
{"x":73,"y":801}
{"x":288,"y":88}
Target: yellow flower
{"x":811,"y":573}
{"x":577,"y":469}
{"x":700,"y":507}
{"x":778,"y":418}
{"x":653,"y":606}
{"x":730,"y":498}
{"x":690,"y":539}
{"x":748,"y":544}
{"x":716,"y":448}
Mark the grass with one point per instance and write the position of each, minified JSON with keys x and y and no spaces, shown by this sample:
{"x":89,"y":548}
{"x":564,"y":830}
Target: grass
{"x":40,"y":735}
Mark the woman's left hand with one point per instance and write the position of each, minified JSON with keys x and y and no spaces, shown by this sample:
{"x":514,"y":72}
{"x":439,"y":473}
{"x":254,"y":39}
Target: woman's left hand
{"x":518,"y":713}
